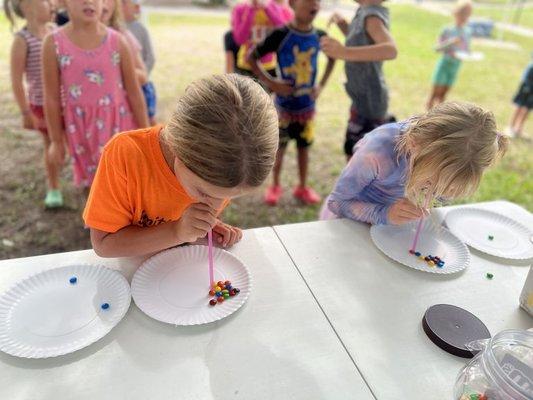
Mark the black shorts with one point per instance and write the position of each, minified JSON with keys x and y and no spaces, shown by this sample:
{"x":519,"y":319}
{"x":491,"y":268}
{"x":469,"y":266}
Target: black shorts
{"x":302,"y":132}
{"x":359,"y":126}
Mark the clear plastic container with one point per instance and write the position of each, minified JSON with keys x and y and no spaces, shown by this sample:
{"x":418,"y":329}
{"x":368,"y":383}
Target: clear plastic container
{"x":502,"y":370}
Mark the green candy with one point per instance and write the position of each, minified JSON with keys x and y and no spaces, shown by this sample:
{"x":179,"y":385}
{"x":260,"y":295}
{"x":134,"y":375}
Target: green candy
{"x":474,"y":397}
{"x":491,"y":237}
{"x":489,"y":276}
{"x":225,"y":291}
{"x":226,"y":295}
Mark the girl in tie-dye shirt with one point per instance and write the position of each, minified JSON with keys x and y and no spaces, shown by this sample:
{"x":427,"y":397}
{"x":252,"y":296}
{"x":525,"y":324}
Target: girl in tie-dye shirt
{"x":442,"y":153}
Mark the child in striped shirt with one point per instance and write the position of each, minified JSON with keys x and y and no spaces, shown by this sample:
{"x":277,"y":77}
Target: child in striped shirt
{"x":26,"y":65}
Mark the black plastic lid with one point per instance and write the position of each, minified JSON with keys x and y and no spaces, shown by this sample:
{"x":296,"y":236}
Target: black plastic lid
{"x":451,"y":328}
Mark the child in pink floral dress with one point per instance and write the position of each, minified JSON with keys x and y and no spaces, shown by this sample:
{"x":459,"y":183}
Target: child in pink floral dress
{"x":90,"y":88}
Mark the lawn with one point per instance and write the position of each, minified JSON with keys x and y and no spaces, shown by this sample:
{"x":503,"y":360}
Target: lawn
{"x":191,"y":46}
{"x":522,"y":17}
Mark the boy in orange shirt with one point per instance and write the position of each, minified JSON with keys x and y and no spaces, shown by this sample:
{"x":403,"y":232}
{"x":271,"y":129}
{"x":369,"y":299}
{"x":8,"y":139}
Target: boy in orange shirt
{"x":164,"y":186}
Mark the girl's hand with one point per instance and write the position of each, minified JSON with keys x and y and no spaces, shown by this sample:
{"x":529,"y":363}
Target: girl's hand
{"x":332,"y":47}
{"x":404,"y":211}
{"x":281,"y":88}
{"x":56,"y":153}
{"x":27,"y":121}
{"x":227,"y":235}
{"x":195,"y":222}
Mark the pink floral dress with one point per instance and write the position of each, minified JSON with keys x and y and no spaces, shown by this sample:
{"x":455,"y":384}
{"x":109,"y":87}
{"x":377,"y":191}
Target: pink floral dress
{"x":95,"y":104}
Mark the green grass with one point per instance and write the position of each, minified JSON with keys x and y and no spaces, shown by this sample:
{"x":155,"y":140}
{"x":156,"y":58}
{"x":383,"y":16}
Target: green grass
{"x":188,"y":47}
{"x":501,"y":14}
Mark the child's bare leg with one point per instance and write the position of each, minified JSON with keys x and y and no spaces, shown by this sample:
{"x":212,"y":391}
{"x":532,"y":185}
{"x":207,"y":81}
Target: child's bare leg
{"x":522,"y":114}
{"x":52,"y":170}
{"x":303,"y":162}
{"x":443,"y":93}
{"x":432,"y":98}
{"x":277,"y":165}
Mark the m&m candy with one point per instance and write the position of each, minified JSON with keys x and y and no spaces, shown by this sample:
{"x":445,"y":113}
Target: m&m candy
{"x":222,"y":291}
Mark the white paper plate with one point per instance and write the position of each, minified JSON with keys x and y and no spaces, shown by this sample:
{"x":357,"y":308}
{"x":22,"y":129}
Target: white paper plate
{"x":395,"y":242}
{"x":173,"y":285}
{"x":46,"y":316}
{"x":511,"y":240}
{"x":469,"y":56}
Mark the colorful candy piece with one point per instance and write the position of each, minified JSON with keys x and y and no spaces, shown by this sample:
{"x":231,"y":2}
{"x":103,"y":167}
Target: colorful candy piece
{"x":489,"y":275}
{"x":212,"y":302}
{"x":237,"y":290}
{"x":417,"y":253}
{"x":105,"y":306}
{"x":212,"y":293}
{"x":431,"y":263}
{"x":225,"y":291}
{"x":226,"y":295}
{"x":73,"y":280}
{"x":421,"y":258}
{"x":220,"y":283}
{"x":411,"y":251}
{"x":491,"y":237}
{"x":474,"y":396}
{"x":227,"y":283}
{"x":218,"y":288}
{"x":232,"y":292}
{"x":220,"y":299}
{"x":218,"y":294}
{"x":229,"y":287}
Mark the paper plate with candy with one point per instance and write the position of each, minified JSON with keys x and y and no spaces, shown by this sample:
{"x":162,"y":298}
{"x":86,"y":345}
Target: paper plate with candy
{"x":437,"y":251}
{"x":174,"y":287}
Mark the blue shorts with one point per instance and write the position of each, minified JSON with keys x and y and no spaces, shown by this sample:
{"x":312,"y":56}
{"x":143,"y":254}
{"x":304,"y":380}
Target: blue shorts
{"x":446,"y":71}
{"x":150,"y":98}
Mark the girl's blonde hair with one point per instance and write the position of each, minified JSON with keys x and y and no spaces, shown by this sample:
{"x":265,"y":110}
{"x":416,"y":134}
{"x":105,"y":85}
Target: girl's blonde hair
{"x":13,"y":8}
{"x":225,"y":130}
{"x":117,"y":20}
{"x":450,"y":146}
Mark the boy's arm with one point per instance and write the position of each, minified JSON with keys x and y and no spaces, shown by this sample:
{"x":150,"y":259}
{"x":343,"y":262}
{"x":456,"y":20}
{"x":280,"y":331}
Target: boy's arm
{"x":383,"y":49}
{"x":18,"y":62}
{"x":340,"y":21}
{"x":148,"y":50}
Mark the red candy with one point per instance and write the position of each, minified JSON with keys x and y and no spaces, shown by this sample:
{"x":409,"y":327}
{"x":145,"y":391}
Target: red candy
{"x":212,"y":302}
{"x":220,"y":299}
{"x":232,"y":293}
{"x":227,"y":283}
{"x":211,"y":293}
{"x":220,"y":283}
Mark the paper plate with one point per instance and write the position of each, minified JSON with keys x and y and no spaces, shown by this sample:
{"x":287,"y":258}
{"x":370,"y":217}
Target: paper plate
{"x":396,"y":240}
{"x":469,"y":56}
{"x":46,"y":315}
{"x":173,"y":285}
{"x":475,"y":227}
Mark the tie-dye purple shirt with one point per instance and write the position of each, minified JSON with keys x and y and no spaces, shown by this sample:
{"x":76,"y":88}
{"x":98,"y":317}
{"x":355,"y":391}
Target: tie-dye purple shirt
{"x":374,"y":178}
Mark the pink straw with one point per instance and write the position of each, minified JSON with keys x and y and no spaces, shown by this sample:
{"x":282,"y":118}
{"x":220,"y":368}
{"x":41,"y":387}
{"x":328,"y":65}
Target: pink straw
{"x":210,"y":256}
{"x":419,"y":226}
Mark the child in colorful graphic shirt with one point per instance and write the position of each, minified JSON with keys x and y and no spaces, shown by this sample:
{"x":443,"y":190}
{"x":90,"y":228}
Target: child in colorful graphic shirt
{"x":452,"y":41}
{"x":297,"y":46}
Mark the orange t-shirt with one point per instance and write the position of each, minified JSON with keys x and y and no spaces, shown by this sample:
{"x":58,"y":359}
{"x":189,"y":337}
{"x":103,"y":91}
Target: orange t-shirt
{"x":134,"y":185}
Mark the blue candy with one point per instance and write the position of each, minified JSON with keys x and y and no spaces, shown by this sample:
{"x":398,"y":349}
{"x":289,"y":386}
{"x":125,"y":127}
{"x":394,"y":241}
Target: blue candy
{"x":417,"y":253}
{"x":105,"y":306}
{"x":218,"y":294}
{"x":73,"y":280}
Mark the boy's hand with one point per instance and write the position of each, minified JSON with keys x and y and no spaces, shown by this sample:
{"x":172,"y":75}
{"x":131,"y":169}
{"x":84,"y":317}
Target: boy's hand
{"x":404,"y":211}
{"x":226,"y":235}
{"x":316,"y":91}
{"x":332,"y":47}
{"x":337,"y":19}
{"x":281,"y":88}
{"x":195,"y":222}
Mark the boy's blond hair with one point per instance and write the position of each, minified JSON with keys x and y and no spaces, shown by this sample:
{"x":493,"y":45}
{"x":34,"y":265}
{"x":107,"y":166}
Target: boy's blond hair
{"x":450,"y":146}
{"x":225,"y":130}
{"x":117,"y":20}
{"x":461,"y":5}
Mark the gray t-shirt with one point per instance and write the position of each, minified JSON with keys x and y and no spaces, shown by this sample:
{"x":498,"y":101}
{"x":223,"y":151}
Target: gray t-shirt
{"x":365,"y":81}
{"x":141,"y":34}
